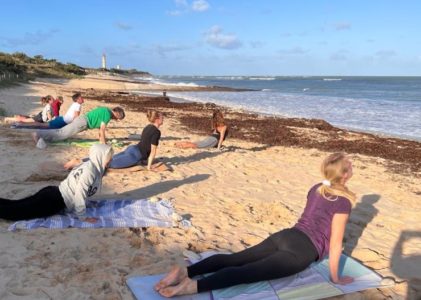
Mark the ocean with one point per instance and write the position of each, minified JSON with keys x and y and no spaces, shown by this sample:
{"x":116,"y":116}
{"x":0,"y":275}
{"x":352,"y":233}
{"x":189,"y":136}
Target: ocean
{"x":388,"y":106}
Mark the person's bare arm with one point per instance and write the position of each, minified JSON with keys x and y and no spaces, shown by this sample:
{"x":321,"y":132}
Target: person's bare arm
{"x":49,"y":116}
{"x":335,"y":248}
{"x":102,"y":138}
{"x":152,"y":156}
{"x":76,"y":114}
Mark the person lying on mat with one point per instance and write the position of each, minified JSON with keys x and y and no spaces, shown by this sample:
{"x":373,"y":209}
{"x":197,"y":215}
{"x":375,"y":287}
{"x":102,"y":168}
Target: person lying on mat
{"x":219,"y":133}
{"x":96,"y":118}
{"x":43,"y":116}
{"x":72,"y":193}
{"x":145,"y":150}
{"x":318,"y":232}
{"x":61,"y":121}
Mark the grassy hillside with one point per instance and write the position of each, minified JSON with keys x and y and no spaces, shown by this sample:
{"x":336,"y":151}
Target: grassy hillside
{"x":21,"y":66}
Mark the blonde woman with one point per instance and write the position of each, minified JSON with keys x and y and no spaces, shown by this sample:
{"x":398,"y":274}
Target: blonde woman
{"x":318,"y":232}
{"x":215,"y":140}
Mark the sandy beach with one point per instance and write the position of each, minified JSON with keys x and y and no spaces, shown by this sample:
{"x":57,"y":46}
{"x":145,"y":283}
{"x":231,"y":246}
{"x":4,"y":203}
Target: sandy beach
{"x":234,"y":198}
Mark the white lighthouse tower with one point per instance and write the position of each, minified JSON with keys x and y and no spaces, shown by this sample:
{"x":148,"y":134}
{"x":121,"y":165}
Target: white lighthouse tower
{"x":104,"y":61}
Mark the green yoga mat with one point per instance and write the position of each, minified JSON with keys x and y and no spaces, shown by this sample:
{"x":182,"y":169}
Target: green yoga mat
{"x":85,"y":143}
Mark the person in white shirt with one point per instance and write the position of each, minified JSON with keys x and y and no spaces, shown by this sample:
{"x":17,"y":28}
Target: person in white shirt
{"x":43,"y":116}
{"x":59,"y":122}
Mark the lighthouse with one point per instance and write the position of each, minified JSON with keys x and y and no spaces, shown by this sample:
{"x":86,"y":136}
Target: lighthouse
{"x":104,"y":61}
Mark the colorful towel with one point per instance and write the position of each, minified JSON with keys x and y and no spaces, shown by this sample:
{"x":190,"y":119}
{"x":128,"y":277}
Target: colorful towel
{"x":111,"y":213}
{"x":312,"y":283}
{"x":85,"y":143}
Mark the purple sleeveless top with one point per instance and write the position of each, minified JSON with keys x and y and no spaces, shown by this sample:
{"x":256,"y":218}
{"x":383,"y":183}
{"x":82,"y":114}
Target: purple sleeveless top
{"x":316,"y":220}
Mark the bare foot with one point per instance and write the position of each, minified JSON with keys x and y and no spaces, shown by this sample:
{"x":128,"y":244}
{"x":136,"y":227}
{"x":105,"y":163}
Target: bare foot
{"x":72,"y":163}
{"x":35,"y":137}
{"x":186,"y":287}
{"x":175,"y":276}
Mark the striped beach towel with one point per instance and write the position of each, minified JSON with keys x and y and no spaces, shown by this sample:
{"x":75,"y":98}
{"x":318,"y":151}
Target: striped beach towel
{"x":111,"y":213}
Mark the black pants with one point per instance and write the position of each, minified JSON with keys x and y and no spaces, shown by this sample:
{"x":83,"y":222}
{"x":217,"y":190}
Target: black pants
{"x":284,"y":253}
{"x":46,"y":202}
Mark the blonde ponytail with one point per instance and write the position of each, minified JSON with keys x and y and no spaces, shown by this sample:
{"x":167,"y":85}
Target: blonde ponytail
{"x":152,"y":115}
{"x":333,"y":169}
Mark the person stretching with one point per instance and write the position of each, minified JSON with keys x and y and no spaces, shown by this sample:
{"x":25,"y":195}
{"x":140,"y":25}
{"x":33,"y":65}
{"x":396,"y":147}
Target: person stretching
{"x":145,"y":150}
{"x":42,"y":117}
{"x":59,"y":122}
{"x":72,"y":193}
{"x":219,"y":133}
{"x":96,"y":118}
{"x":318,"y":232}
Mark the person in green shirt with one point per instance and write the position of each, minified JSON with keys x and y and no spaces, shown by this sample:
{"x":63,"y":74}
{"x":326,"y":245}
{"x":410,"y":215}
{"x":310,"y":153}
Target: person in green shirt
{"x":97,"y":118}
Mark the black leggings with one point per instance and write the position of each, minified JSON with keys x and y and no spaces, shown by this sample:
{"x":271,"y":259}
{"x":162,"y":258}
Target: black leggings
{"x":282,"y":254}
{"x":46,"y":202}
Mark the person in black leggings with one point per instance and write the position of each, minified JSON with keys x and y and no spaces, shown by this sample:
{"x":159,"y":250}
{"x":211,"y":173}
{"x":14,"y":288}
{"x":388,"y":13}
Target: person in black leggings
{"x":71,"y":194}
{"x":46,"y":202}
{"x":285,"y":253}
{"x":317,"y":233}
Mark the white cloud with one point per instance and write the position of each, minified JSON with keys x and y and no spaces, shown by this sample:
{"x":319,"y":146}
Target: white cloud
{"x":183,"y":7}
{"x":256,"y":44}
{"x":342,"y":26}
{"x":339,"y":55}
{"x":216,"y":38}
{"x":293,"y":51}
{"x":200,"y":5}
{"x":175,"y":12}
{"x":181,"y":3}
{"x":29,"y":38}
{"x":163,"y":50}
{"x":385,"y":53}
{"x":123,"y":26}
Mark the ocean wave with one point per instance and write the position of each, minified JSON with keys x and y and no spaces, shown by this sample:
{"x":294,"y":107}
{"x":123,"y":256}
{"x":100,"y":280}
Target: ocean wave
{"x":262,"y":78}
{"x":230,"y":77}
{"x":332,"y":79}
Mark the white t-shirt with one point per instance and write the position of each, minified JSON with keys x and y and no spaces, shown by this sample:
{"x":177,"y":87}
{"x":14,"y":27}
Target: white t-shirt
{"x":45,"y":110}
{"x":68,"y":117}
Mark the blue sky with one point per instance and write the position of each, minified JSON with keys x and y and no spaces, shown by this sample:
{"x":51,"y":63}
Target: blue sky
{"x":210,"y":37}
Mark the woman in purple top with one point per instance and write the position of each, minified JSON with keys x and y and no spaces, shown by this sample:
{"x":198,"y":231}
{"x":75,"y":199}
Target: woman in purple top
{"x":318,"y":232}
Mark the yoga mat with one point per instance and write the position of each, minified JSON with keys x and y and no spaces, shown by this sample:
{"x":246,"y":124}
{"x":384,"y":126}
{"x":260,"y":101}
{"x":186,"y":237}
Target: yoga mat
{"x":85,"y":143}
{"x":312,"y":283}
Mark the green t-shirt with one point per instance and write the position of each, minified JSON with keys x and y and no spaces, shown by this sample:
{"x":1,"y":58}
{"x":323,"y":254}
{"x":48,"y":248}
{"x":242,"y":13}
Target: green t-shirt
{"x":98,"y":115}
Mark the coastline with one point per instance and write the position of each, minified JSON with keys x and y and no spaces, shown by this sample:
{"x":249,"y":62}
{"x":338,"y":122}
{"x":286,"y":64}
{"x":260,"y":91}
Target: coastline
{"x":253,"y":188}
{"x":279,"y":131}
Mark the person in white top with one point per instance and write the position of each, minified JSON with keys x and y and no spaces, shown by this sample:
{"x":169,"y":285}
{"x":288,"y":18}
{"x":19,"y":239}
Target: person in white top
{"x":61,"y":121}
{"x":43,"y":116}
{"x":74,"y":109}
{"x":47,"y":111}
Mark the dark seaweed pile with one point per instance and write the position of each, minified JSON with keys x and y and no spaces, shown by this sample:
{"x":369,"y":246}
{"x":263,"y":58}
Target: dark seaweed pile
{"x":273,"y":131}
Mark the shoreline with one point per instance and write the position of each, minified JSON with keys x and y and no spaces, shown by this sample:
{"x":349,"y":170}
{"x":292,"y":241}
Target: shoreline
{"x":276,"y":131}
{"x":242,"y":110}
